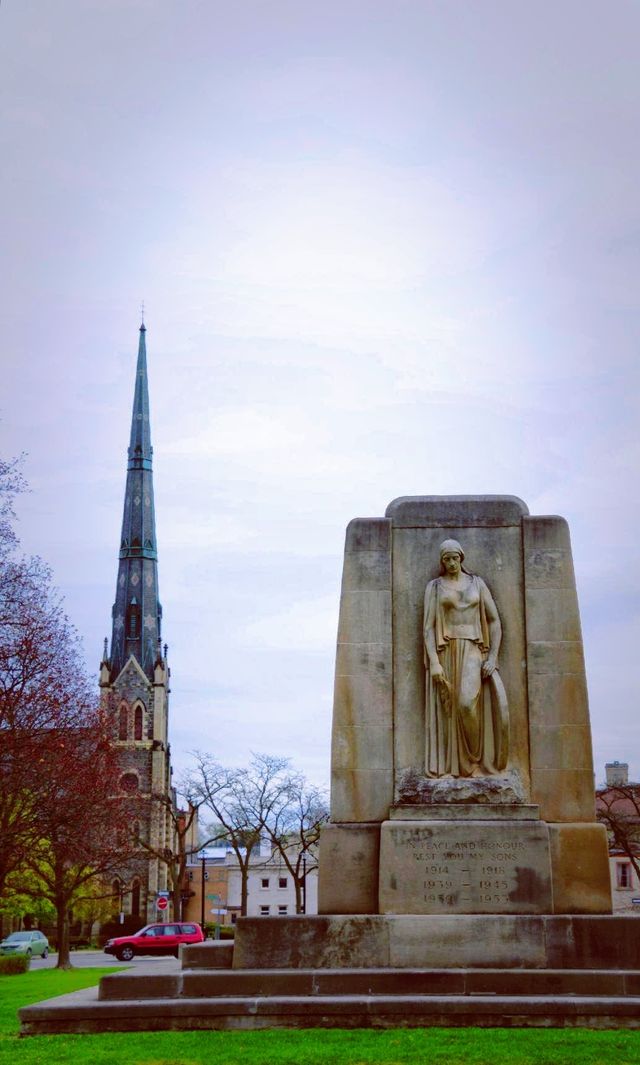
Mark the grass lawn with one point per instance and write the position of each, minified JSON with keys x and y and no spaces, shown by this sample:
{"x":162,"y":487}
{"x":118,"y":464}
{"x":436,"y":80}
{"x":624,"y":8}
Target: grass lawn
{"x":431,"y":1046}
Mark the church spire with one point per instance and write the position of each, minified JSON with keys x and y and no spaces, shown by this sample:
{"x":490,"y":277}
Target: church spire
{"x":137,"y":612}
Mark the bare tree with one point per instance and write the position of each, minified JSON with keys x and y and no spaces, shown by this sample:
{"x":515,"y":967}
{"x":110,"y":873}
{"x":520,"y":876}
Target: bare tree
{"x":241,"y":801}
{"x":618,"y":809}
{"x":264,"y":800}
{"x":294,"y":827}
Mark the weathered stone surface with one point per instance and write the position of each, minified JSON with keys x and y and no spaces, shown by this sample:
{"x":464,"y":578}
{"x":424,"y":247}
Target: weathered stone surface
{"x":445,"y":512}
{"x":448,"y":942}
{"x":479,"y":941}
{"x":348,"y":868}
{"x":580,"y":868}
{"x":361,"y":794}
{"x":434,"y":867}
{"x":505,"y":790}
{"x":323,"y":942}
{"x":564,"y":795}
{"x":560,"y":735}
{"x":462,"y":812}
{"x":127,"y":986}
{"x":362,"y":748}
{"x":368,"y":746}
{"x":212,"y":954}
{"x":334,"y":1011}
{"x":367,"y":555}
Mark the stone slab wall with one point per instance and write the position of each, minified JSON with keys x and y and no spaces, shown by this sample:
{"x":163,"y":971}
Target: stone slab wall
{"x":362,"y":737}
{"x":562,"y":779}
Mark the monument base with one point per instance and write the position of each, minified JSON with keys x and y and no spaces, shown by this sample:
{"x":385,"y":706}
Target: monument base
{"x":375,"y":972}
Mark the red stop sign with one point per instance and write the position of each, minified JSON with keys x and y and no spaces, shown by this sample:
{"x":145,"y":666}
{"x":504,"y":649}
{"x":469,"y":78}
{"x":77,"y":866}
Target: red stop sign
{"x":162,"y":903}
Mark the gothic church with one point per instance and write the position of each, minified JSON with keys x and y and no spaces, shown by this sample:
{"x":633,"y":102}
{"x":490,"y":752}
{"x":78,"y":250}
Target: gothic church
{"x":134,"y":676}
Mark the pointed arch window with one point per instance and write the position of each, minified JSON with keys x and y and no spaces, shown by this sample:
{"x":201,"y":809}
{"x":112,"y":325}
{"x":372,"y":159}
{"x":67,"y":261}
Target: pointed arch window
{"x":116,"y":888}
{"x":137,"y":722}
{"x":123,"y":722}
{"x":135,"y":898}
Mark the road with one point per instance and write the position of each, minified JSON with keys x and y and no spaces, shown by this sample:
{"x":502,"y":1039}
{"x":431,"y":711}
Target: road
{"x":90,"y":959}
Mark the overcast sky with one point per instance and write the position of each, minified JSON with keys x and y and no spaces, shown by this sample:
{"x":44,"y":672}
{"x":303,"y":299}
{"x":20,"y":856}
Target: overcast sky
{"x":388,"y":247}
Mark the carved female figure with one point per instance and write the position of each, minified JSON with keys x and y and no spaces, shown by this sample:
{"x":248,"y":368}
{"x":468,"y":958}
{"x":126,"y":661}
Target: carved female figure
{"x":467,"y":726}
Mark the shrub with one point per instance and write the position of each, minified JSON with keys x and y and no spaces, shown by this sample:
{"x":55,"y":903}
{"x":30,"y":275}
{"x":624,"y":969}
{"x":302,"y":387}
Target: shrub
{"x":14,"y":963}
{"x":226,"y":931}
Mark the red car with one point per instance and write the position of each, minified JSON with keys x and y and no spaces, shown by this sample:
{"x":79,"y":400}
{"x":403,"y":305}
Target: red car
{"x":154,"y":939}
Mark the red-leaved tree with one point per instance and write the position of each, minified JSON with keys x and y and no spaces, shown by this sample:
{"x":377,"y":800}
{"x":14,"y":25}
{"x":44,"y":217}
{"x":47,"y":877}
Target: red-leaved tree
{"x":84,"y":821}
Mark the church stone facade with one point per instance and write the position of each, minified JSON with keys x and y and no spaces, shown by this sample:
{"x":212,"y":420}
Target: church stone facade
{"x":134,"y":675}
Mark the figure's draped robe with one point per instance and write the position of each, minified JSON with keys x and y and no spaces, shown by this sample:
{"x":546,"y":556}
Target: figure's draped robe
{"x":466,"y":719}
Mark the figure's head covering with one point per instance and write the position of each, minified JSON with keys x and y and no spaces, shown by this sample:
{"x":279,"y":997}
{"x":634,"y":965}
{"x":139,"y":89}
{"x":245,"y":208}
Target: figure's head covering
{"x":452,"y":545}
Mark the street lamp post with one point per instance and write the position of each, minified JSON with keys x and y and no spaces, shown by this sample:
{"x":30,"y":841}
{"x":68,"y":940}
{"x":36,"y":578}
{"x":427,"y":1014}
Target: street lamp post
{"x":304,"y":883}
{"x":203,"y":860}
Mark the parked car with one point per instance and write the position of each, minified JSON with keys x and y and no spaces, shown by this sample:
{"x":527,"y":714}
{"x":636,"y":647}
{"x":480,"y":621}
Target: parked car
{"x":29,"y":943}
{"x":154,"y":939}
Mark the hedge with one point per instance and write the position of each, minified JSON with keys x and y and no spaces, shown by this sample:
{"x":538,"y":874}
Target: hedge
{"x":13,"y":963}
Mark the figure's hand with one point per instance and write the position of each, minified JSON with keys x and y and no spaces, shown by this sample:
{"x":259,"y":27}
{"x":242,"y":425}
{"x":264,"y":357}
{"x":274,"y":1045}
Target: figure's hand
{"x":438,"y":675}
{"x":488,"y":667}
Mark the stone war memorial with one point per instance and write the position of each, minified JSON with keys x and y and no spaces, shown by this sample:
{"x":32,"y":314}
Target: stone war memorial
{"x":463,"y":876}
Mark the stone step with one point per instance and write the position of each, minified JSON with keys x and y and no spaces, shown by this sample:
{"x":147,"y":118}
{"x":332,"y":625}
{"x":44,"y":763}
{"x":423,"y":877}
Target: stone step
{"x":205,"y":983}
{"x":82,"y":1012}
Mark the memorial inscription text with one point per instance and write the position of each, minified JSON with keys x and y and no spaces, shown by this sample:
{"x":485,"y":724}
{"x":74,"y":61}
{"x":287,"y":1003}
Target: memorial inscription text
{"x":468,"y":872}
{"x":465,"y":867}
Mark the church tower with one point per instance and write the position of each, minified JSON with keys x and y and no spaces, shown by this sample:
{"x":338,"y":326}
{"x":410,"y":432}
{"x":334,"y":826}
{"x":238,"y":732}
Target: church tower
{"x":134,"y":676}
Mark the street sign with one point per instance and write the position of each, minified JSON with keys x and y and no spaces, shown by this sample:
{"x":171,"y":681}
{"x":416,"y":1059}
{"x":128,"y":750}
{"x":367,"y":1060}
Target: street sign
{"x":636,"y":902}
{"x":162,"y":902}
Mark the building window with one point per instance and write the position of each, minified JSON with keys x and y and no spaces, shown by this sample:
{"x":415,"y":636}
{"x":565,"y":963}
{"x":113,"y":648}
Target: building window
{"x":264,"y":883}
{"x":264,"y":911}
{"x":282,"y":882}
{"x":623,"y":874}
{"x":234,"y":918}
{"x":129,"y":782}
{"x":282,"y":911}
{"x":135,"y":831}
{"x":133,"y":617}
{"x":135,"y":899}
{"x":123,"y":724}
{"x":137,"y":727}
